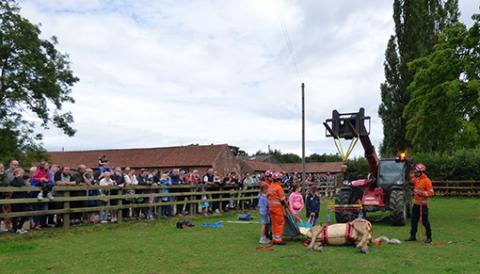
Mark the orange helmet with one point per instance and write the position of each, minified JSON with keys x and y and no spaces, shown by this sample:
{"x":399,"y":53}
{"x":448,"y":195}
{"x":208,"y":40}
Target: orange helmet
{"x":420,"y":167}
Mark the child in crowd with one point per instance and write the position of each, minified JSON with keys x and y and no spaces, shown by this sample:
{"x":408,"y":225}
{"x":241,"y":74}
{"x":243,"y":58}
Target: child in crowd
{"x":204,"y":204}
{"x":296,"y":203}
{"x":313,"y":205}
{"x":106,"y":181}
{"x":42,"y":178}
{"x":264,"y":214}
{"x":102,"y":161}
{"x":17,"y":222}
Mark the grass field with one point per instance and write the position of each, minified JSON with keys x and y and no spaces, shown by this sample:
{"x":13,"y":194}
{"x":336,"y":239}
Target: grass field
{"x":158,"y":247}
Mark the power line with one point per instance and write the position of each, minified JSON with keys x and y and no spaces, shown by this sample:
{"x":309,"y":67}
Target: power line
{"x":286,"y":35}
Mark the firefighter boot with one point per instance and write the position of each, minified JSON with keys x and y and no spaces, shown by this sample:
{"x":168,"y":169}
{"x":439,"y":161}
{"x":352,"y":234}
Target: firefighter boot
{"x":411,"y":239}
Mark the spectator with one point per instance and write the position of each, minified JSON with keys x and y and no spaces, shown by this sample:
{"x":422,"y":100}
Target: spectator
{"x":193,"y":178}
{"x":177,"y":180}
{"x":146,"y":180}
{"x":54,"y":168}
{"x":9,"y":176}
{"x":18,"y":181}
{"x":230,"y":182}
{"x":296,"y":202}
{"x":102,"y":162}
{"x":248,"y":182}
{"x":105,"y":181}
{"x":204,"y":204}
{"x":10,"y":172}
{"x":118,"y":180}
{"x":78,"y":178}
{"x":210,"y":181}
{"x":130,"y":181}
{"x":3,"y":182}
{"x":104,"y":168}
{"x":165,"y":210}
{"x":63,"y":177}
{"x":42,"y":179}
{"x":89,"y":179}
{"x":313,"y":205}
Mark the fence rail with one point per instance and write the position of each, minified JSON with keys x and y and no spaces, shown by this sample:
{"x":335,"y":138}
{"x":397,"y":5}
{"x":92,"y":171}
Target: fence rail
{"x":456,"y":188}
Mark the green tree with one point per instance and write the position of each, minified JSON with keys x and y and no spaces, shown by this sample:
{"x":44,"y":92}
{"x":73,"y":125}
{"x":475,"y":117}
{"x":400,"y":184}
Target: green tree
{"x":444,"y":111}
{"x":286,"y":157}
{"x":416,"y":25}
{"x":35,"y":80}
{"x":357,"y":168}
{"x":315,"y":157}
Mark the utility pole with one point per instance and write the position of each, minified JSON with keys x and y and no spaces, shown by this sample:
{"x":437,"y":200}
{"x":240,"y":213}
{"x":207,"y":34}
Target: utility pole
{"x":303,"y":135}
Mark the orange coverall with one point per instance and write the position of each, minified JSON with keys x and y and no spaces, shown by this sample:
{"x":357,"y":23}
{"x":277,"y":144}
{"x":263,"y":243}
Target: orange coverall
{"x":423,"y":187}
{"x":276,"y":196}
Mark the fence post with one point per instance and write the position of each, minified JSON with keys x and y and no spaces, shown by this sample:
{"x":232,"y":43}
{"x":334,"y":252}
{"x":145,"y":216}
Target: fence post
{"x":238,"y":197}
{"x":66,"y":205}
{"x":120,"y":210}
{"x":193,"y":205}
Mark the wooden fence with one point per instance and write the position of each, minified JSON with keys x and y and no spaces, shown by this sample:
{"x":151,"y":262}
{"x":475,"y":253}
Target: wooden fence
{"x":185,"y":195}
{"x":73,"y":198}
{"x":456,"y":188}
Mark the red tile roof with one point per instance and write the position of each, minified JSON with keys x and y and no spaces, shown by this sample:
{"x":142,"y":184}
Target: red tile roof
{"x":261,"y":166}
{"x":180,"y":156}
{"x":324,"y":167}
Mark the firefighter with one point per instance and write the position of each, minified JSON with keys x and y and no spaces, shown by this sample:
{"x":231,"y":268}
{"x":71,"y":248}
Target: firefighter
{"x":276,"y":202}
{"x":422,"y":191}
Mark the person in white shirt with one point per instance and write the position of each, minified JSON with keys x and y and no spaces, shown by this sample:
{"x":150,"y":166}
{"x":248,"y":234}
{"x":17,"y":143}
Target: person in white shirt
{"x":105,"y":181}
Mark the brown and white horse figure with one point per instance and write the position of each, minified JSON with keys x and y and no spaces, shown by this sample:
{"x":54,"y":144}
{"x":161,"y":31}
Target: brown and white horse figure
{"x":358,"y":232}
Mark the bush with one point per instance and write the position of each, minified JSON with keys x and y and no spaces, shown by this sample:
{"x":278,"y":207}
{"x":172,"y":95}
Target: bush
{"x":357,"y":168}
{"x":460,"y":165}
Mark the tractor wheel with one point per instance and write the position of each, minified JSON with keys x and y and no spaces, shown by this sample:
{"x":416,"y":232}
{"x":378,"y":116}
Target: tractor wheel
{"x":343,"y":197}
{"x":398,"y":206}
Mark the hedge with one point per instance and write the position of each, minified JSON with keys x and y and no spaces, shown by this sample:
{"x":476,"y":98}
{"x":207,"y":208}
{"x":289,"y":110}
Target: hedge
{"x":459,"y":165}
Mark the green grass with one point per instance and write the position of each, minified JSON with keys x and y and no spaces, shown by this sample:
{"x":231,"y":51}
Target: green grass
{"x":158,"y":247}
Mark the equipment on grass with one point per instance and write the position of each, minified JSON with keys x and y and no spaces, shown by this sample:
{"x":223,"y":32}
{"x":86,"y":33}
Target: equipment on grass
{"x":184,"y":224}
{"x":385,"y":189}
{"x":214,"y":225}
{"x":291,"y":228}
{"x":240,"y":222}
{"x":245,"y":217}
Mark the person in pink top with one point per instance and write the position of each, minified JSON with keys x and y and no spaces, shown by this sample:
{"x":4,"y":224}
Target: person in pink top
{"x":295,"y":200}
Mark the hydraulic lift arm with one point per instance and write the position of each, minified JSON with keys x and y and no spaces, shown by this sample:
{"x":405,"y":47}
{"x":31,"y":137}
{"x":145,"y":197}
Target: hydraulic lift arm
{"x":351,"y":126}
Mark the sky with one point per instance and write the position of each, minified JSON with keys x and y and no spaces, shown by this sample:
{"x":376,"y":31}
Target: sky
{"x":168,"y":73}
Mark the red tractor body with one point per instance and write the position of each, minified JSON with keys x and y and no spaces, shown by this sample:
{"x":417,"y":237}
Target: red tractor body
{"x":387,"y":189}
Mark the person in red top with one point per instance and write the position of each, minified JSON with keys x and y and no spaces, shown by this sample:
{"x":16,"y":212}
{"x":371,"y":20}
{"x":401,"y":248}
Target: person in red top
{"x":422,"y":191}
{"x":276,"y":202}
{"x":42,"y":178}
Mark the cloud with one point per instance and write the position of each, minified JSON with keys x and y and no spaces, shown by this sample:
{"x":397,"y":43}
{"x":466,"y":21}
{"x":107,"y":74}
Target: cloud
{"x":158,"y":73}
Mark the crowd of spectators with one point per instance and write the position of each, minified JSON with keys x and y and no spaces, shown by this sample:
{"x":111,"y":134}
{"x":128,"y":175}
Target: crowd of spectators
{"x":47,"y":177}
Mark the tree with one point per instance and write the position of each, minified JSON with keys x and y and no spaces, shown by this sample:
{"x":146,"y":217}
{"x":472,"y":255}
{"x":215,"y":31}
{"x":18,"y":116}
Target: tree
{"x":315,"y":158}
{"x":285,"y":157}
{"x":444,"y":111}
{"x":416,"y":26}
{"x":35,"y":79}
